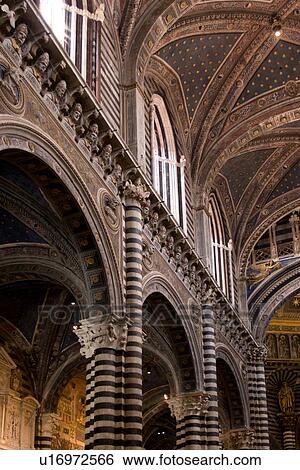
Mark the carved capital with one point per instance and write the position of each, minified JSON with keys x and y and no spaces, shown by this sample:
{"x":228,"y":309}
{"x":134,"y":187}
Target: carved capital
{"x":289,"y":421}
{"x":136,"y":190}
{"x":208,"y":294}
{"x":110,"y":332}
{"x":238,"y":439}
{"x":257,"y":353}
{"x":194,"y":404}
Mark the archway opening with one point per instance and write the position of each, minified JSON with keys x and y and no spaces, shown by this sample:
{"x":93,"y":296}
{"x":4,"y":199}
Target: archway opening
{"x":230,"y":407}
{"x":51,"y":275}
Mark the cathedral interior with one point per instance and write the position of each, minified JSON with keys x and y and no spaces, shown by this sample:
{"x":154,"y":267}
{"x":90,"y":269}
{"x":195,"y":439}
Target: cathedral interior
{"x":150,"y":224}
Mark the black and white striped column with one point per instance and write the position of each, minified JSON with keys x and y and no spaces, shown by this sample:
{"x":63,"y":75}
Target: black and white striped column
{"x":210,"y":374}
{"x":263,"y":422}
{"x":189,"y":411}
{"x":258,"y":397}
{"x":103,"y":342}
{"x":113,"y":345}
{"x":252,"y":392}
{"x":289,"y":423}
{"x":46,"y":429}
{"x":135,"y":196}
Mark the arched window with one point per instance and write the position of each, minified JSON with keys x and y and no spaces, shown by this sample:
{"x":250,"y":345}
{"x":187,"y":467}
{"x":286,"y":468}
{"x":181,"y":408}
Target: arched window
{"x":75,"y":23}
{"x":168,"y":168}
{"x":221,"y":256}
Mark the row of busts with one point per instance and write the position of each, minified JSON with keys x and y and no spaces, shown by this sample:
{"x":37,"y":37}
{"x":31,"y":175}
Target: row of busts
{"x":48,"y":80}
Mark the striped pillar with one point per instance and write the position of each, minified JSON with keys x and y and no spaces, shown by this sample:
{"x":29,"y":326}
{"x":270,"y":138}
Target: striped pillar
{"x":252,"y":392}
{"x":113,"y":346}
{"x":103,"y":342}
{"x":258,"y":397}
{"x":189,"y":411}
{"x":210,"y":375}
{"x":45,"y":439}
{"x":289,"y":440}
{"x":289,"y":422}
{"x":89,"y":403}
{"x":135,"y":196}
{"x":263,"y":422}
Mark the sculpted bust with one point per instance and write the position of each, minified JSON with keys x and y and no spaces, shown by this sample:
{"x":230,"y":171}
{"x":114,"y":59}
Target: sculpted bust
{"x":17,"y":40}
{"x":74,"y":119}
{"x":58,"y":94}
{"x":40,"y":66}
{"x":90,"y":139}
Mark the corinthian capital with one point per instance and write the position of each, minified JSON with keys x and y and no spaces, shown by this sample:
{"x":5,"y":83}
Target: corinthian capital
{"x":110,"y":332}
{"x":242,"y":438}
{"x":192,"y":404}
{"x":136,"y":190}
{"x":258,"y":353}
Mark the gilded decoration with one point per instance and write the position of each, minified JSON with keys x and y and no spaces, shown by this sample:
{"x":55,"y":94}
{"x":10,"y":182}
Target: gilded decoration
{"x":258,"y":272}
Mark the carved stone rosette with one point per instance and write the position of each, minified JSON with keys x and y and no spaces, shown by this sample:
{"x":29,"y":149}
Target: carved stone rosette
{"x":95,"y":333}
{"x":110,"y":209}
{"x":238,"y":439}
{"x":192,"y":404}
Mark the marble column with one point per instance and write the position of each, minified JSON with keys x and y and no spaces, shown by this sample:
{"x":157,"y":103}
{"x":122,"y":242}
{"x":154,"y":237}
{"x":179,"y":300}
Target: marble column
{"x":47,"y":427}
{"x":113,"y":346}
{"x":289,"y":422}
{"x":135,"y":197}
{"x":103,"y":342}
{"x":258,"y":396}
{"x":210,"y":372}
{"x":190,"y":411}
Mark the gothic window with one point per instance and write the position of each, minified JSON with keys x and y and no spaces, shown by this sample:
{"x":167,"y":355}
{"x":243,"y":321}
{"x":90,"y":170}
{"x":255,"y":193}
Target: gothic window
{"x":221,"y":252}
{"x":76,"y":26}
{"x":168,"y":167}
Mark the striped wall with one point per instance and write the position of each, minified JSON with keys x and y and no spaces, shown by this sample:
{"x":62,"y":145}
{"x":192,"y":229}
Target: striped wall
{"x":109,"y":72}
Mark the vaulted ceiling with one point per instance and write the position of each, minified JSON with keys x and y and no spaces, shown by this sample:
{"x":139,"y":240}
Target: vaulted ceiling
{"x":235,"y":88}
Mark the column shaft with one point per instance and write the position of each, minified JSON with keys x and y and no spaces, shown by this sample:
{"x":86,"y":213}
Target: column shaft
{"x":134,"y":306}
{"x":210,"y":376}
{"x":258,"y":397}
